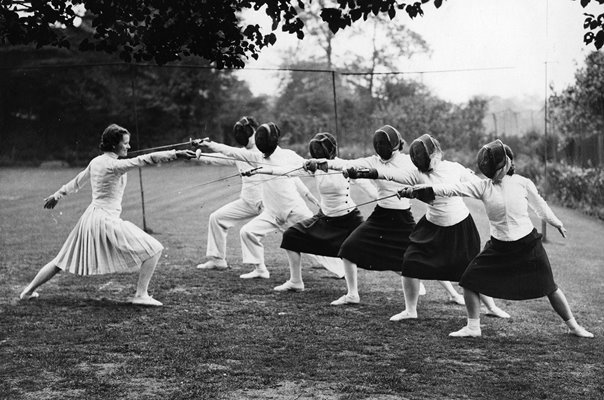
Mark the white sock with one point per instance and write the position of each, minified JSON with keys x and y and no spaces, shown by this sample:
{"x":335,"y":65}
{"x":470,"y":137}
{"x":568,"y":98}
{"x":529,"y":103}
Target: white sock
{"x":474,"y":324}
{"x":571,"y":323}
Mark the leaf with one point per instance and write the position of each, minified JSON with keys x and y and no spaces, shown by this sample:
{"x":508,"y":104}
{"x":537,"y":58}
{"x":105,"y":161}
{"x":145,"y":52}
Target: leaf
{"x":599,"y":42}
{"x":588,"y":37}
{"x":392,"y":12}
{"x":584,"y":3}
{"x":438,"y":3}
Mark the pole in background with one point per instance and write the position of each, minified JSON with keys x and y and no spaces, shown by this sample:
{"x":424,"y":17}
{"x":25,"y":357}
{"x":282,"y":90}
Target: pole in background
{"x":545,"y":188}
{"x":543,"y":223}
{"x":335,"y":110}
{"x":138,"y":144}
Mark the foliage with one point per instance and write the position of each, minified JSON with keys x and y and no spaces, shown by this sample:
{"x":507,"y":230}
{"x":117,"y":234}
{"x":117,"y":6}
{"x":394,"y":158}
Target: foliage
{"x":305,"y":107}
{"x":580,"y":188}
{"x":410,"y":106}
{"x":594,"y":26}
{"x":578,"y":111}
{"x":166,"y":31}
{"x":53,"y":106}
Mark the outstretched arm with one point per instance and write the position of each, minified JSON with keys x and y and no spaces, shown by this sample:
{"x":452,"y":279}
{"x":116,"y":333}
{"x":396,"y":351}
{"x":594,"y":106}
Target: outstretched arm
{"x":246,"y":155}
{"x":123,"y":166}
{"x":473,"y":189}
{"x":543,"y":211}
{"x":70,"y":187}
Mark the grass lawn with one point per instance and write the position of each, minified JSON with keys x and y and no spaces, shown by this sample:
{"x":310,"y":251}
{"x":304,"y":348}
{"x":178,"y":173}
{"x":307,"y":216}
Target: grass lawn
{"x":221,"y":337}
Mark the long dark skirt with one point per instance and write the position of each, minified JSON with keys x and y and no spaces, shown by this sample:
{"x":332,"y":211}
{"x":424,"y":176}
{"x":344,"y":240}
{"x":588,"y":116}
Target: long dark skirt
{"x":380,"y":242}
{"x":517,"y":270}
{"x":320,"y":234}
{"x":441,"y":252}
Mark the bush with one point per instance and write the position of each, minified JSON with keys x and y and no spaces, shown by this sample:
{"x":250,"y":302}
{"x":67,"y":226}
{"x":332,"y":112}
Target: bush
{"x":579,"y":188}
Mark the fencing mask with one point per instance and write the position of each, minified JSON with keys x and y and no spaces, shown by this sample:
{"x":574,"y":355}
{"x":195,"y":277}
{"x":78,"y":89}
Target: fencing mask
{"x":492,"y":158}
{"x":387,"y":140}
{"x":267,"y":138}
{"x":425,"y":152}
{"x":323,"y":145}
{"x":244,"y":129}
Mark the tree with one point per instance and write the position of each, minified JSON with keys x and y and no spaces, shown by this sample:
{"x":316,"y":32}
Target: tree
{"x":578,"y":111}
{"x":170,"y":30}
{"x":54,"y":101}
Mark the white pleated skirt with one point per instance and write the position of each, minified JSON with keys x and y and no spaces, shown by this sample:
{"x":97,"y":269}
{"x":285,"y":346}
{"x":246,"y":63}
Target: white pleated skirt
{"x":103,"y":243}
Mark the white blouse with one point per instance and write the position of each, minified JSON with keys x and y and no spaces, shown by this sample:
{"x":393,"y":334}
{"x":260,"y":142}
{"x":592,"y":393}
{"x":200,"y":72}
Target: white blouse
{"x":398,"y":161}
{"x":279,"y":195}
{"x":506,"y":204}
{"x":444,"y":211}
{"x":251,"y":192}
{"x":108,"y":177}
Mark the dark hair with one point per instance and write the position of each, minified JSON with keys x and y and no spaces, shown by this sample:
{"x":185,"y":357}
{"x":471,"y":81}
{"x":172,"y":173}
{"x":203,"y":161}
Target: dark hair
{"x":111,"y":137}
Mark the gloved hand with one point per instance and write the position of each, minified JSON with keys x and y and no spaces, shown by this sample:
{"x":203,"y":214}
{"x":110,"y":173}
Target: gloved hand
{"x":250,"y":172}
{"x":422,"y":193}
{"x":314,"y":164}
{"x":196,"y":143}
{"x":425,"y":194}
{"x":406,"y":192}
{"x":310,"y":165}
{"x":360,"y":173}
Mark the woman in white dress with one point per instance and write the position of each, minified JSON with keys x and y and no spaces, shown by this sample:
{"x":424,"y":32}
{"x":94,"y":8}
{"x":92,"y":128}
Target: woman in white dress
{"x":513,"y":264}
{"x":101,"y":242}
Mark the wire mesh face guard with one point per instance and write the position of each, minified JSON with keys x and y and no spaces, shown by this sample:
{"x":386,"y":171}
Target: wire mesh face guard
{"x":387,"y":140}
{"x":243,"y":130}
{"x":267,"y":138}
{"x":491,"y":158}
{"x":323,"y":145}
{"x":424,"y":151}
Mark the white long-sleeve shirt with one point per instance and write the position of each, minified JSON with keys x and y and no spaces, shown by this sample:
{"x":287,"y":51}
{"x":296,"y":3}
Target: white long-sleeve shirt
{"x":334,"y":191}
{"x":279,"y":195}
{"x":108,"y":178}
{"x":251,"y":192}
{"x":444,"y":211}
{"x":506,"y":204}
{"x":385,"y":188}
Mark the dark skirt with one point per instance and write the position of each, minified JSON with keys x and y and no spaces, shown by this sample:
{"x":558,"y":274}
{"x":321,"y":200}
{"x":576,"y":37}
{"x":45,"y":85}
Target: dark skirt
{"x":380,"y":242}
{"x":320,"y":234}
{"x":441,"y":252}
{"x":517,"y":270}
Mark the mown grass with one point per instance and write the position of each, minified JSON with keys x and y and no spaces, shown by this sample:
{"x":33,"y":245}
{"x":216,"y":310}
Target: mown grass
{"x":220,"y":337}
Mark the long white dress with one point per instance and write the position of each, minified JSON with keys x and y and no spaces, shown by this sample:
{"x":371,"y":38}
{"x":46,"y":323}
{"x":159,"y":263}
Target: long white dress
{"x":101,"y":242}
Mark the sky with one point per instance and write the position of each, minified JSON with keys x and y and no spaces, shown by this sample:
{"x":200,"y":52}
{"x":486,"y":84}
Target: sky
{"x":506,"y":43}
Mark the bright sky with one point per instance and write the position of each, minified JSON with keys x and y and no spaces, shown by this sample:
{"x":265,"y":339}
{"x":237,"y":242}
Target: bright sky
{"x":515,"y":35}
